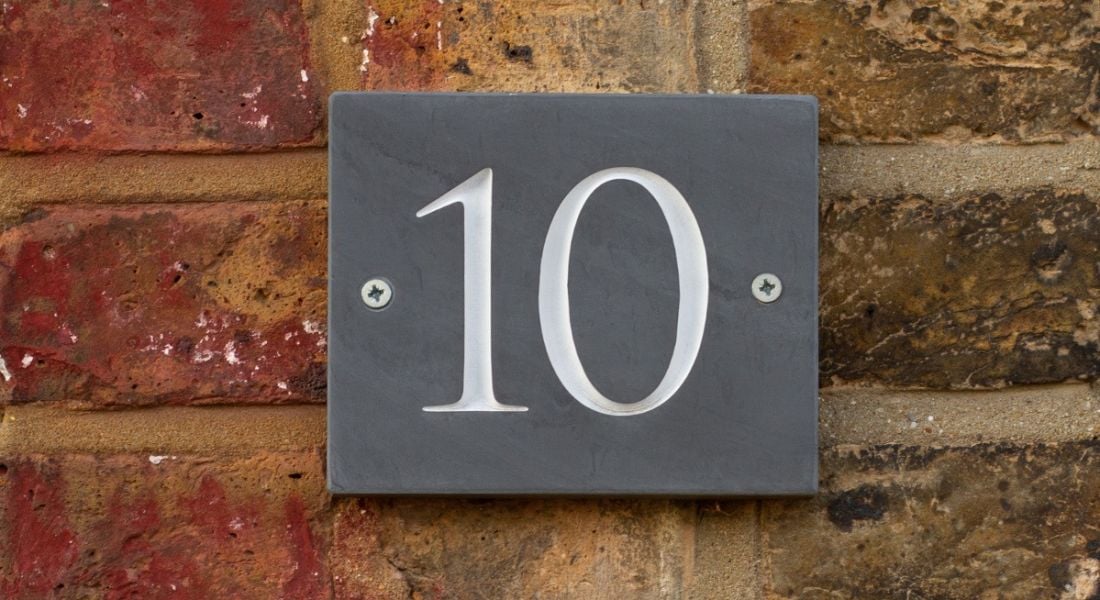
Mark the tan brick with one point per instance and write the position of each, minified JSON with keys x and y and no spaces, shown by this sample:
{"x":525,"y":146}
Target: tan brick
{"x":529,"y":45}
{"x":988,"y":521}
{"x":979,"y":291}
{"x":898,"y":70}
{"x":431,"y":549}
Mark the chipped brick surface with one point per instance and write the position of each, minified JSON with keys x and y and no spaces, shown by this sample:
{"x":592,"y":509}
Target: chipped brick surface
{"x":529,"y":45}
{"x":153,"y":75}
{"x":902,"y":70}
{"x":981,"y":291}
{"x":435,"y":549}
{"x":183,"y":527}
{"x":164,"y":304}
{"x":989,"y":521}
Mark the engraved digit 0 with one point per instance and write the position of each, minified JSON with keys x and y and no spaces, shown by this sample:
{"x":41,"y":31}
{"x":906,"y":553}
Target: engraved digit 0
{"x":691,"y":264}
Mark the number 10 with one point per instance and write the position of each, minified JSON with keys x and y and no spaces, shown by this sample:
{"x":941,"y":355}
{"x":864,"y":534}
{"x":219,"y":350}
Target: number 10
{"x":476,"y":196}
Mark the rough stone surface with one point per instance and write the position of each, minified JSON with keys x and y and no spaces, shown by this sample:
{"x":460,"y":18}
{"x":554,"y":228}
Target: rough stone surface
{"x":529,"y":45}
{"x":184,"y":527}
{"x":982,"y":291}
{"x":988,"y":521}
{"x":146,"y":75}
{"x":167,"y":304}
{"x":434,"y":549}
{"x":898,"y":70}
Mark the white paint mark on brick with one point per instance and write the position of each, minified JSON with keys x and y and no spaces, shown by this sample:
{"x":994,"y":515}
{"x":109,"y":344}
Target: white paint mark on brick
{"x":255,"y":92}
{"x":372,"y":18}
{"x":4,"y":370}
{"x":231,"y":353}
{"x":27,"y":360}
{"x":203,"y":356}
{"x":260,"y":123}
{"x":311,"y":326}
{"x":305,"y":76}
{"x":366,"y":60}
{"x":156,"y":459}
{"x":22,"y":111}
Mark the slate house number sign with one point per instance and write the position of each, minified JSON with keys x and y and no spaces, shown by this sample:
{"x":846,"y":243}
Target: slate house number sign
{"x":572,"y":295}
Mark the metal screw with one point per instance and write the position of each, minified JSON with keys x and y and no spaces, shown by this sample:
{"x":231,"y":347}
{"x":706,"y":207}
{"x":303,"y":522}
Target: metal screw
{"x":377,"y":293}
{"x":766,"y":288}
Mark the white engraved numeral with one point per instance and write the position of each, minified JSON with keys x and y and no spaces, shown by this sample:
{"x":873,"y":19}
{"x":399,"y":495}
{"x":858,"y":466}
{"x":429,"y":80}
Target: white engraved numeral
{"x":691,"y":263}
{"x":476,"y":197}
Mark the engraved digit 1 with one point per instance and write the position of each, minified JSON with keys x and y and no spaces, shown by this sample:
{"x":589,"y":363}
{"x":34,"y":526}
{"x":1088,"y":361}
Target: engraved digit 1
{"x":691,"y":263}
{"x":476,"y":197}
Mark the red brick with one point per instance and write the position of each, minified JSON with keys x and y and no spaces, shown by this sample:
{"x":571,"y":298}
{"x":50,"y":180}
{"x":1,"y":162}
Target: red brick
{"x":179,"y":527}
{"x":164,"y":304}
{"x":155,"y":75}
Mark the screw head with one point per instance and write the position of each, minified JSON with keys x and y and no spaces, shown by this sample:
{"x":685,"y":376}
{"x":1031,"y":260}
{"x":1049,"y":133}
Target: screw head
{"x":766,"y":288}
{"x":377,"y":293}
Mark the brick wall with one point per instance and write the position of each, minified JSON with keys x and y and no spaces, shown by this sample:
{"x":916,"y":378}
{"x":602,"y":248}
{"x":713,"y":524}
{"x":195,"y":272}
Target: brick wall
{"x":162,"y":300}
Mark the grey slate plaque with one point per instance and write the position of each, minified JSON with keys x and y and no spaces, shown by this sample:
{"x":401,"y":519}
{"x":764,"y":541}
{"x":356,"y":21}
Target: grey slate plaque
{"x":744,"y":420}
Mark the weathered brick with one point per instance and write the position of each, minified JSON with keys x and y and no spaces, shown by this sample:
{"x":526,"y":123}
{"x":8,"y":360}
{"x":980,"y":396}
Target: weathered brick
{"x":900,"y":70}
{"x":434,"y":549}
{"x":145,"y":75}
{"x":988,"y":521}
{"x":979,"y":291}
{"x":164,"y":304}
{"x":529,"y":45}
{"x":186,"y":527}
